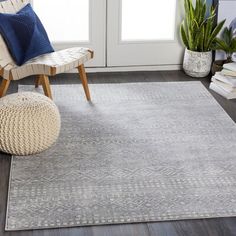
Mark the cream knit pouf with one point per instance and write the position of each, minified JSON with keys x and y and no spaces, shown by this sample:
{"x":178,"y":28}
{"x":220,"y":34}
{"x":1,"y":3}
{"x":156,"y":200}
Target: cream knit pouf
{"x":29,"y":123}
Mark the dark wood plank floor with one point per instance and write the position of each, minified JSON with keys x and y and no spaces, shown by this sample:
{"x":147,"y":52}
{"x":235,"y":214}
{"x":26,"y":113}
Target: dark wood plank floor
{"x":204,"y":227}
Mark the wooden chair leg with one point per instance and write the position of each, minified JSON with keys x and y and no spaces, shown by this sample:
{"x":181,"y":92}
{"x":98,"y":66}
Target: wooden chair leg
{"x":38,"y":81}
{"x":3,"y":87}
{"x":84,"y":81}
{"x":44,"y":81}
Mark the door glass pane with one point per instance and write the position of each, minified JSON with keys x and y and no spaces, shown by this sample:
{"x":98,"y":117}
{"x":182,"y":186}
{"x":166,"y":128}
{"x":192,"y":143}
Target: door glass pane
{"x":65,"y":21}
{"x":148,"y":20}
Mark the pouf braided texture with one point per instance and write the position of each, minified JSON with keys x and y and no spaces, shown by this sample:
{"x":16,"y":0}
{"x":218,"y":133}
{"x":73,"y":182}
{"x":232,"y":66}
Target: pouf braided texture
{"x":29,"y":123}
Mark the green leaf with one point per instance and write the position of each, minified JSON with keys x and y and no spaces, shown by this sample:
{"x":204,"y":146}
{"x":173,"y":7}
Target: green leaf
{"x":221,"y":45}
{"x":209,"y":26}
{"x":201,"y":38}
{"x":233,"y":45}
{"x":184,"y":36}
{"x":214,"y":34}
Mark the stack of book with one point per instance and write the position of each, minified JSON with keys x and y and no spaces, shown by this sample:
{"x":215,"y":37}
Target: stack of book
{"x":224,"y":82}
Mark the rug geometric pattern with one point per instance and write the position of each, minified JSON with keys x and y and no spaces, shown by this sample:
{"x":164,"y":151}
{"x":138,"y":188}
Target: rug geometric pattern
{"x":140,"y":152}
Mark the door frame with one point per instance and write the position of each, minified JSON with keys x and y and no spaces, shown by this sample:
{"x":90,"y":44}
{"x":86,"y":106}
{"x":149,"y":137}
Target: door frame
{"x":124,"y":53}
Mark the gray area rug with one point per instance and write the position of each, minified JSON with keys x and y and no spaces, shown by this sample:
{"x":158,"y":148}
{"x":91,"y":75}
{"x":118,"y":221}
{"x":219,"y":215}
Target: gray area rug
{"x":140,"y":152}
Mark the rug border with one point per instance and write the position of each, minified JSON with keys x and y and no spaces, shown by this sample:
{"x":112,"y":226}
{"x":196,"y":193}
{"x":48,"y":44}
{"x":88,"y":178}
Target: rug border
{"x":120,"y":223}
{"x":218,"y":102}
{"x":8,"y":194}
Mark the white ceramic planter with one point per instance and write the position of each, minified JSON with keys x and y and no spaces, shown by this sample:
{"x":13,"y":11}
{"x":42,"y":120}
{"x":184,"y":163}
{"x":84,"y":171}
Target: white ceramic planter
{"x":197,"y":64}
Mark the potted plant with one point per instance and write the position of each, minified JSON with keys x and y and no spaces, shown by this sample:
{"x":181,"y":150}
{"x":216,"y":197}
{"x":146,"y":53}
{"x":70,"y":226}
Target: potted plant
{"x":227,"y":44}
{"x":199,"y":32}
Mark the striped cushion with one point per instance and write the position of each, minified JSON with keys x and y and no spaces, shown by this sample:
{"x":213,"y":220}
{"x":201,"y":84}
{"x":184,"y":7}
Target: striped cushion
{"x":49,"y":64}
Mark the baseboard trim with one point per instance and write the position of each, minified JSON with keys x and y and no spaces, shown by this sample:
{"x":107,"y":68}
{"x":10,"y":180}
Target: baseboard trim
{"x":131,"y":68}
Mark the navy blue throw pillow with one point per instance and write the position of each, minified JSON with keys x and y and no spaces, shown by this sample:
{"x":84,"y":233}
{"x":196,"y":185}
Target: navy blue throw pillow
{"x":24,"y":35}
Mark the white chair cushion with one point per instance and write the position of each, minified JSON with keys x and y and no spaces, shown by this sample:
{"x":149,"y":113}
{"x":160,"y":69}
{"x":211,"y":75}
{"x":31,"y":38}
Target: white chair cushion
{"x":49,"y":64}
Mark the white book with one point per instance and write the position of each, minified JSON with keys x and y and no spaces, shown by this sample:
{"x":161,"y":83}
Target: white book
{"x":228,"y":72}
{"x":221,"y":91}
{"x":230,"y":66}
{"x":226,"y":79}
{"x":226,"y":87}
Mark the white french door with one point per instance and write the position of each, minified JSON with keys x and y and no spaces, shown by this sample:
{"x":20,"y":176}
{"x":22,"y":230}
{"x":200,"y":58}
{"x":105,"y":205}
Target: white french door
{"x":74,"y":23}
{"x":144,"y":32}
{"x":122,"y":33}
